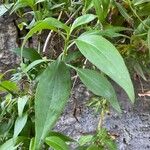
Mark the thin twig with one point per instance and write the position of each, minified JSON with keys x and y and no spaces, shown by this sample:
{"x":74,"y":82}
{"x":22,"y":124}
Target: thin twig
{"x":73,"y":15}
{"x":84,"y":64}
{"x":49,"y":35}
{"x":142,"y":88}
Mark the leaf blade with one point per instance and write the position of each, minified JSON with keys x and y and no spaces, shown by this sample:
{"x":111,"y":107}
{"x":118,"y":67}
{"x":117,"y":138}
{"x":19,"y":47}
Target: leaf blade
{"x":101,"y":53}
{"x":82,"y":20}
{"x":54,"y":87}
{"x":56,"y":143}
{"x":19,"y":124}
{"x":99,"y":85}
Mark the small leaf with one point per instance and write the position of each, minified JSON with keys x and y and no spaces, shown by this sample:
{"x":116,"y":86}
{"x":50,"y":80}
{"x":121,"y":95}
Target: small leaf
{"x":31,"y":147}
{"x":85,"y":139}
{"x":123,"y":12}
{"x":82,"y":20}
{"x":4,"y":8}
{"x":101,"y":8}
{"x":98,"y":9}
{"x":8,"y":86}
{"x":99,"y":85}
{"x":141,"y":29}
{"x":22,"y":3}
{"x":19,"y":125}
{"x":51,"y":95}
{"x":93,"y":147}
{"x":21,"y":104}
{"x":88,"y":4}
{"x":28,"y":53}
{"x":139,"y":70}
{"x":105,"y":57}
{"x":61,"y":136}
{"x":34,"y":64}
{"x":56,"y":143}
{"x":9,"y":145}
{"x":138,"y":2}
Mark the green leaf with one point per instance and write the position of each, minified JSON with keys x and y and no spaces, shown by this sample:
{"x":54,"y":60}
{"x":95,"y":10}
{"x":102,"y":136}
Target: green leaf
{"x":85,"y":139}
{"x":9,"y":145}
{"x":82,"y":20}
{"x":105,"y":56}
{"x":101,"y":8}
{"x":139,"y":70}
{"x":19,"y":125}
{"x":1,"y":76}
{"x":93,"y":147}
{"x":123,"y":12}
{"x":22,"y":3}
{"x":4,"y":8}
{"x":34,"y":64}
{"x":56,"y":143}
{"x":88,"y":4}
{"x":141,"y":28}
{"x":13,"y":143}
{"x":8,"y":86}
{"x":99,"y":85}
{"x":81,"y":148}
{"x":110,"y":32}
{"x":61,"y":136}
{"x":21,"y":104}
{"x":51,"y":95}
{"x":31,"y":147}
{"x":98,"y":9}
{"x":48,"y":23}
{"x":39,"y":1}
{"x":28,"y":53}
{"x":144,"y":10}
{"x":138,"y":2}
{"x":72,"y":56}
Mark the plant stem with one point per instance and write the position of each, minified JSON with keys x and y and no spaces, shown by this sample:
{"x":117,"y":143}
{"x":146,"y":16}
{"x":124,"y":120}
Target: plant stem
{"x":100,"y":123}
{"x":66,"y":45}
{"x":137,"y":15}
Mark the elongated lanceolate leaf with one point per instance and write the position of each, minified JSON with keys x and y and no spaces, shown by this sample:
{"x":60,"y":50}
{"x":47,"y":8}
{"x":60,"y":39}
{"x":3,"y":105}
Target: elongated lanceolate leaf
{"x":21,"y":104}
{"x":48,"y":23}
{"x":19,"y":124}
{"x":22,"y":3}
{"x":82,"y":20}
{"x":105,"y":56}
{"x":51,"y":96}
{"x":10,"y":144}
{"x":99,"y":85}
{"x":56,"y":143}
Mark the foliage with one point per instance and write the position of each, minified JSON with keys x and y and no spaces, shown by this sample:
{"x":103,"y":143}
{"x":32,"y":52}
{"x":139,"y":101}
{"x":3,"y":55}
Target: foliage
{"x":100,"y":32}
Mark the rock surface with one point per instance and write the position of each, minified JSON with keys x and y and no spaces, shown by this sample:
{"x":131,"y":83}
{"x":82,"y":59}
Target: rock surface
{"x":8,"y":36}
{"x":132,"y":127}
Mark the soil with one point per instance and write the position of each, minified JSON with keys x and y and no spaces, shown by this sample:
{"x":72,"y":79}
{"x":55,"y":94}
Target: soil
{"x":132,"y":127}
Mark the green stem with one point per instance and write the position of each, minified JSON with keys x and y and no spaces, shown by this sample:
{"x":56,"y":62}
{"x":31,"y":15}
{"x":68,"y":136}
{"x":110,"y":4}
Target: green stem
{"x":66,"y":45}
{"x":100,"y":123}
{"x":137,"y":15}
